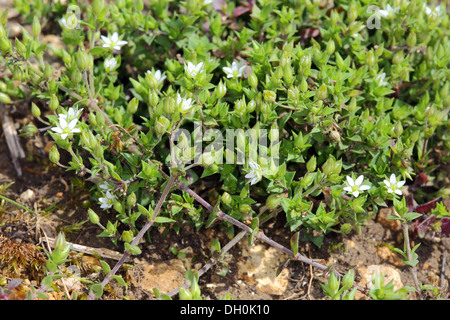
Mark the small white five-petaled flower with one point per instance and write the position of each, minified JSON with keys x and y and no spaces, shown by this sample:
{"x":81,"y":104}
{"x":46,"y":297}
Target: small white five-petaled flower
{"x":389,"y":11}
{"x":355,"y":186}
{"x":380,"y":79}
{"x":394,"y":185}
{"x":255,"y":173}
{"x":72,"y":113}
{"x":66,"y":127}
{"x":113,"y":42}
{"x":107,"y":201}
{"x":184,"y":104}
{"x":235,"y":71}
{"x":110,"y":64}
{"x":208,"y":1}
{"x":158,"y":75}
{"x":193,"y":70}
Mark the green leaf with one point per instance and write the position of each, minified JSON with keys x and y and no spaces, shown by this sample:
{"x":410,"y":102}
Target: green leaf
{"x":294,"y":243}
{"x":120,"y":280}
{"x":105,"y":266}
{"x":97,"y":289}
{"x":164,"y":220}
{"x":410,"y":216}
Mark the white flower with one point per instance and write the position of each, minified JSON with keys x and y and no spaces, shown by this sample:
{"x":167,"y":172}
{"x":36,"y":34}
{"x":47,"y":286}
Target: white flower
{"x":435,"y":12}
{"x":113,"y":42}
{"x":208,"y":1}
{"x":107,"y":201}
{"x":255,"y":173}
{"x":380,"y":79}
{"x":235,"y":71}
{"x":65,"y":128}
{"x":394,"y":185}
{"x":389,"y":11}
{"x":110,"y":64}
{"x":355,"y":185}
{"x":63,"y":22}
{"x":158,"y":75}
{"x":106,"y":186}
{"x":193,"y":70}
{"x":184,"y":104}
{"x":72,"y":113}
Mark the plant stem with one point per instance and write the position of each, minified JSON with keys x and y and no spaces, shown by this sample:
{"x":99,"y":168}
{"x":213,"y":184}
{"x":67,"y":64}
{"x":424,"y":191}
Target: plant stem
{"x":408,"y":253}
{"x":141,"y":233}
{"x":260,"y":236}
{"x":16,"y":203}
{"x":211,"y":262}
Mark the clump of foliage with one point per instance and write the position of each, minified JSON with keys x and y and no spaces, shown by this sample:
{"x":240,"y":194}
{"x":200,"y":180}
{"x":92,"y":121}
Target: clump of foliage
{"x":353,"y":100}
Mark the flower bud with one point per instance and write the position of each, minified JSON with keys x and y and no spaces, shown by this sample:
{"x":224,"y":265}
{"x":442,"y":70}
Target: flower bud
{"x":265,"y":108}
{"x":169,"y":105}
{"x":36,"y":26}
{"x":35,"y":111}
{"x":133,"y":106}
{"x":305,"y":62}
{"x":28,"y":130}
{"x":348,"y":279}
{"x":311,"y":164}
{"x":335,"y":136}
{"x":333,"y":283}
{"x":54,"y":154}
{"x":398,"y":129}
{"x":273,"y":201}
{"x":352,"y":13}
{"x":5,"y":44}
{"x":322,"y":92}
{"x":221,"y":89}
{"x":226,"y":198}
{"x":251,"y":106}
{"x":93,"y":217}
{"x":370,"y":58}
{"x":244,"y":208}
{"x":131,"y":199}
{"x":412,"y":39}
{"x":253,"y":80}
{"x":269,"y":96}
{"x":240,"y":107}
{"x":153,"y":98}
{"x":118,"y":206}
{"x":47,"y":71}
{"x":127,"y":235}
{"x":274,"y":133}
{"x":98,"y":6}
{"x":398,"y":57}
{"x":293,"y":94}
{"x":4,"y":98}
{"x":327,"y":167}
{"x":330,"y":47}
{"x":54,"y":103}
{"x":162,"y":125}
{"x":82,"y":60}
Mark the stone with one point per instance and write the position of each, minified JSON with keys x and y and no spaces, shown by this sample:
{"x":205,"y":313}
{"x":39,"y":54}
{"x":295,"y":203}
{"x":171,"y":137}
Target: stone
{"x":389,"y":274}
{"x":27,"y":196}
{"x":165,"y":276}
{"x":259,"y":265}
{"x":388,"y":255}
{"x":383,"y":214}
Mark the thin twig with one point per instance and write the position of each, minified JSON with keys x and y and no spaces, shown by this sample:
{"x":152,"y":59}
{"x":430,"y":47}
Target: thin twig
{"x":126,"y":254}
{"x":260,"y":236}
{"x":211,"y":262}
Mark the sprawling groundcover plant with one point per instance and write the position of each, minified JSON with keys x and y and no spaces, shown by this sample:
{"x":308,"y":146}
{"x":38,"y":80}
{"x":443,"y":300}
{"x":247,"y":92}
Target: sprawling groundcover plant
{"x":315,"y":112}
